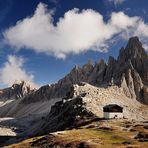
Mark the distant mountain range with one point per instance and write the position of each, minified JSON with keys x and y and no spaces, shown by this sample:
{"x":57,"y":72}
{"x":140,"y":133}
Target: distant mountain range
{"x":129,"y":70}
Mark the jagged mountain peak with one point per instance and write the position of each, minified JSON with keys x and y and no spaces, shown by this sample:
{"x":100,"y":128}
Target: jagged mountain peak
{"x":134,"y":49}
{"x":19,"y":83}
{"x":90,"y":62}
{"x":111,"y":60}
{"x":76,"y":68}
{"x":101,"y":62}
{"x":134,"y":41}
{"x":132,"y":57}
{"x":101,"y":74}
{"x":17,"y":91}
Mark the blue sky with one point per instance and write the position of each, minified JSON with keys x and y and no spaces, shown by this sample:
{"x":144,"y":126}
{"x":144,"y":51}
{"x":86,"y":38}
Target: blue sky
{"x":41,"y":63}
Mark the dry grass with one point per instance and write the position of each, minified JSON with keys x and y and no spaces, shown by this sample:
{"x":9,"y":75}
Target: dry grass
{"x":92,"y":137}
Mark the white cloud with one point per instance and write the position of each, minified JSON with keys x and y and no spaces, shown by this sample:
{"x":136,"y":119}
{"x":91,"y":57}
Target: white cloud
{"x":74,"y":33}
{"x":116,"y":2}
{"x":14,"y":72}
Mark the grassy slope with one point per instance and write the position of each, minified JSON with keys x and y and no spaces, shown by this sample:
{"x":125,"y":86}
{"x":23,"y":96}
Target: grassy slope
{"x":117,"y":135}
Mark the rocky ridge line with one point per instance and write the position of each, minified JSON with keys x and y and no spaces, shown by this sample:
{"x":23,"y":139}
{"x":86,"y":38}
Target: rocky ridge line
{"x":129,"y":70}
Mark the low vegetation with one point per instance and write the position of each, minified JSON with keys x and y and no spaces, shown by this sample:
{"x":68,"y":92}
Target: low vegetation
{"x":98,"y":134}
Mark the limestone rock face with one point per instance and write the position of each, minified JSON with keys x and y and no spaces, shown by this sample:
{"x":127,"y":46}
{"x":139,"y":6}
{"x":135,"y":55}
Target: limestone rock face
{"x":137,"y":56}
{"x":85,"y":102}
{"x":43,"y":92}
{"x":132,"y":62}
{"x":66,"y":114}
{"x":101,"y":72}
{"x":16,"y":91}
{"x":111,"y":69}
{"x":129,"y":70}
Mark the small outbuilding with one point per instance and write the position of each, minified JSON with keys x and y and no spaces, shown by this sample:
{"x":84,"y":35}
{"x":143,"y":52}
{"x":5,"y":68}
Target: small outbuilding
{"x":113,"y":111}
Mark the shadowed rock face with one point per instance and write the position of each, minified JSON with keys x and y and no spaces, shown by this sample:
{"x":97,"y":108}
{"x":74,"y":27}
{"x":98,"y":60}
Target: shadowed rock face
{"x":129,"y":70}
{"x":135,"y":56}
{"x":135,"y":69}
{"x":84,"y":103}
{"x":16,"y":91}
{"x":66,"y":114}
{"x":130,"y":66}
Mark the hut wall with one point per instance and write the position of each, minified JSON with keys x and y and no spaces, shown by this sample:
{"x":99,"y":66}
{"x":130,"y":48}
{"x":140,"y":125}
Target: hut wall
{"x":110,"y":115}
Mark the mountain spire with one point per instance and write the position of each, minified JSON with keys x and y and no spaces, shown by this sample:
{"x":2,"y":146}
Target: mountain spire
{"x":134,"y":49}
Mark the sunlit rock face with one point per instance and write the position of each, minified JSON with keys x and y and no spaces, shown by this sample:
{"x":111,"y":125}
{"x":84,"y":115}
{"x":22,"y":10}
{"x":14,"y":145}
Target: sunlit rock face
{"x":129,"y":70}
{"x":16,"y":91}
{"x":130,"y":66}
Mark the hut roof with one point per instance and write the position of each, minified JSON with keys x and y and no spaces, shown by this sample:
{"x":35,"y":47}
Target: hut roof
{"x":112,"y":108}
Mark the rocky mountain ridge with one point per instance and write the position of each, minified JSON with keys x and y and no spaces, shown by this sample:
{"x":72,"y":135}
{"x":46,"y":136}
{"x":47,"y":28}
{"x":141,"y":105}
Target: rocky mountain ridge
{"x":80,"y":96}
{"x":129,"y":70}
{"x":85,"y":102}
{"x":16,"y":91}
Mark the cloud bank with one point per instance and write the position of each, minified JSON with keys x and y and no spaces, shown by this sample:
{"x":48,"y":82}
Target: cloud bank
{"x":76,"y":32}
{"x":13,"y":72}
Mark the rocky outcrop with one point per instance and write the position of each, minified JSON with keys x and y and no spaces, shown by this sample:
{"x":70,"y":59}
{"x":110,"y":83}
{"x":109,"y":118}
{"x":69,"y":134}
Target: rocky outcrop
{"x":129,"y":70}
{"x":42,"y":94}
{"x":16,"y":91}
{"x":85,"y":102}
{"x":66,"y":114}
{"x":132,"y":63}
